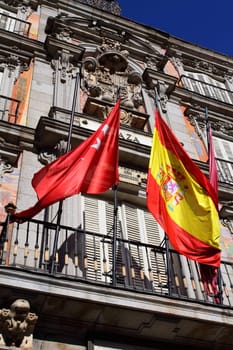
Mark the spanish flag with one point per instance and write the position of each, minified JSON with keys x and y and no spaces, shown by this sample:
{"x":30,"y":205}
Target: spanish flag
{"x":181,"y":198}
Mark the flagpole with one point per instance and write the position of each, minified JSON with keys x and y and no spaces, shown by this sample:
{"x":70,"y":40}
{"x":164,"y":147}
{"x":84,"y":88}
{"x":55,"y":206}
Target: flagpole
{"x":207,"y":131}
{"x":209,"y":145}
{"x":68,"y":147}
{"x":115,"y":188}
{"x":166,"y":240}
{"x":114,"y":248}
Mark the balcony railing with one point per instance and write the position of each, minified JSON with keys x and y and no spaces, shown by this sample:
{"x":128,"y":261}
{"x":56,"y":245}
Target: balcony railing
{"x":14,"y":25}
{"x":92,"y":257}
{"x":206,"y":89}
{"x":9,"y":108}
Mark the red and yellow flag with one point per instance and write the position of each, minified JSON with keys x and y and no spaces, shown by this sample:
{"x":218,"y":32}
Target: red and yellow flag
{"x":181,"y":198}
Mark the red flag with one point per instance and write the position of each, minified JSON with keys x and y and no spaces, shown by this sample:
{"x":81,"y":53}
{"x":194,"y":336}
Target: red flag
{"x":209,"y":274}
{"x":92,"y":167}
{"x":181,"y":198}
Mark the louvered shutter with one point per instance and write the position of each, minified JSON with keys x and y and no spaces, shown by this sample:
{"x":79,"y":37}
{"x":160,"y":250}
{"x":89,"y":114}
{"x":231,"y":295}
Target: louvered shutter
{"x":145,"y":266}
{"x":94,"y":223}
{"x":7,"y":22}
{"x":157,"y":260}
{"x":207,"y":86}
{"x":224,"y":155}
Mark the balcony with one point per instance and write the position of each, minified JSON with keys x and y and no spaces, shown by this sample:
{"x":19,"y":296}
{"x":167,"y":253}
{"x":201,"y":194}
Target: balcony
{"x":109,"y":261}
{"x":9,"y":109}
{"x":203,"y":88}
{"x":14,"y":25}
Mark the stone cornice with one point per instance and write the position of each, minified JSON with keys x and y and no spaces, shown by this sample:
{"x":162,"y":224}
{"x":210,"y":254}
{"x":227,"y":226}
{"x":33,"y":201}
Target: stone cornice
{"x":195,"y":57}
{"x":25,"y":47}
{"x":54,"y":47}
{"x":190,"y":98}
{"x":151,"y":77}
{"x":17,"y":3}
{"x":13,"y":140}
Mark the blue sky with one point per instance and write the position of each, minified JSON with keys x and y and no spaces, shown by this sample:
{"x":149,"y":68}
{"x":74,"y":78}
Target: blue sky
{"x":207,"y":23}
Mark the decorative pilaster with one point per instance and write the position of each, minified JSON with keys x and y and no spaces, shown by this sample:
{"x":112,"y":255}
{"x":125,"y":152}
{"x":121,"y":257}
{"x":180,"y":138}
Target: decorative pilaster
{"x":159,"y":84}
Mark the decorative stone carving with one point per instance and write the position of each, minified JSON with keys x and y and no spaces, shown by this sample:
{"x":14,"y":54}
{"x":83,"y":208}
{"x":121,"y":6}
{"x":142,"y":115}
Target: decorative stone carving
{"x":108,"y":75}
{"x":63,"y":65}
{"x":48,"y":156}
{"x":5,"y":167}
{"x":14,"y":63}
{"x":133,"y":176}
{"x":197,"y":119}
{"x":228,"y":223}
{"x":106,"y":5}
{"x":17,"y":3}
{"x":155,"y":62}
{"x":23,"y":3}
{"x":111,"y":56}
{"x":224,"y":127}
{"x":186,"y":63}
{"x":229,"y":76}
{"x":65,"y":34}
{"x":162,"y":92}
{"x":17,"y":324}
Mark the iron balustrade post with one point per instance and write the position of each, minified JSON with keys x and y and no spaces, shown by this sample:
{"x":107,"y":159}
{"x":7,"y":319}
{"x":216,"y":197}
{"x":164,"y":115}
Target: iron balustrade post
{"x":114,"y":241}
{"x":10,"y":209}
{"x":169,"y":272}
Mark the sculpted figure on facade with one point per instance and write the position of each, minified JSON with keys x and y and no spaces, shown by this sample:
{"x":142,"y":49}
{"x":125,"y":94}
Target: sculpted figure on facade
{"x":17,"y":325}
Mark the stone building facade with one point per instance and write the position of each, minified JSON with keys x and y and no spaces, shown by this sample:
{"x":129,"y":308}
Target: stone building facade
{"x":70,"y":60}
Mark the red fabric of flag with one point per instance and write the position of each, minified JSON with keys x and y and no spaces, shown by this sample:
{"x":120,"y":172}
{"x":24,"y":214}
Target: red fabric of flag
{"x":209,"y":274}
{"x":181,"y":198}
{"x":92,"y":168}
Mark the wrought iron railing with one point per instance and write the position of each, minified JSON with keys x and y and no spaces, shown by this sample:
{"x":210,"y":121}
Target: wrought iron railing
{"x":9,"y":108}
{"x":14,"y":25}
{"x":206,"y":89}
{"x":88,"y":256}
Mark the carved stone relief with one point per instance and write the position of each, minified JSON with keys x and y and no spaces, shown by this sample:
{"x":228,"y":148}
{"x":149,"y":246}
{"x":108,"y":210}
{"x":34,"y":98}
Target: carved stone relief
{"x":13,"y":63}
{"x":185,"y":62}
{"x":17,"y":325}
{"x":47,"y":157}
{"x":63,"y":65}
{"x":17,"y":3}
{"x":22,"y":3}
{"x":106,"y":76}
{"x":112,"y":6}
{"x":5,"y":168}
{"x":198,"y":120}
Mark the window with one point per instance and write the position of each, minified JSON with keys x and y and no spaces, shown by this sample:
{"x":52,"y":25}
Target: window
{"x":137,"y":264}
{"x":224,"y":155}
{"x":207,"y":86}
{"x":7,"y":20}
